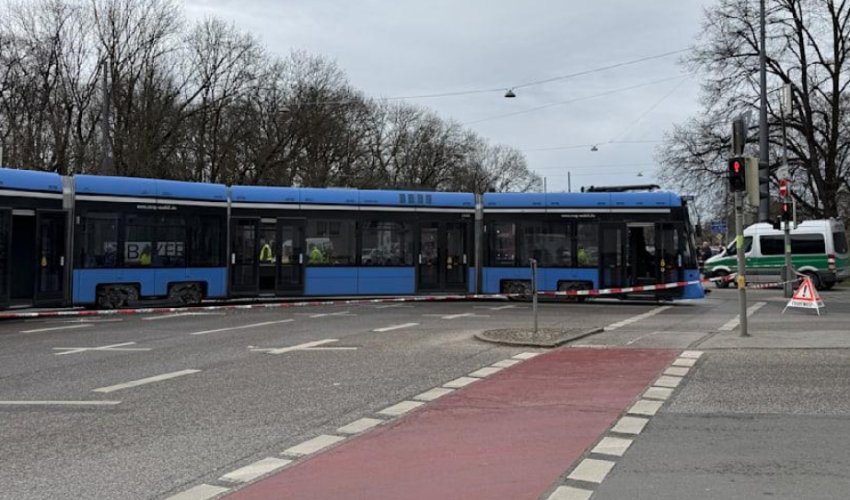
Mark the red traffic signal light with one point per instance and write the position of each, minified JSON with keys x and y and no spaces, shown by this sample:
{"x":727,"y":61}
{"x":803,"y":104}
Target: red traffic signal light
{"x":737,"y":174}
{"x":783,"y":188}
{"x":786,"y":211}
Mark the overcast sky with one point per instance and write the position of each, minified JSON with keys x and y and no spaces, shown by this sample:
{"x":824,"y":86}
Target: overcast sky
{"x":391,"y":48}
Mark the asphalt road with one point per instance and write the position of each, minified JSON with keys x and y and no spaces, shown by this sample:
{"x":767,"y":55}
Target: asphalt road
{"x":232,"y":389}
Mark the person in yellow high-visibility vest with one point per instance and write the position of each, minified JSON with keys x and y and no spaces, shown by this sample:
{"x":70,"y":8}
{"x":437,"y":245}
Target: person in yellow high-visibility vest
{"x":145,"y":257}
{"x":266,"y":254}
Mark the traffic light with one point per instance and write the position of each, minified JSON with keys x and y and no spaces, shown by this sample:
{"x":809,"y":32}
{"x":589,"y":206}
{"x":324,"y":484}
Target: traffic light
{"x":737,"y":174}
{"x":786,"y":211}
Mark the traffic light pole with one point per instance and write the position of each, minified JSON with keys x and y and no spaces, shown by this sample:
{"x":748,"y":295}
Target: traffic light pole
{"x":787,"y":287}
{"x":739,"y":251}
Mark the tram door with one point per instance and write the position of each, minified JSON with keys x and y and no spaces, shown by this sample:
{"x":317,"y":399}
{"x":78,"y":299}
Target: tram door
{"x":244,"y":256}
{"x":290,"y":274}
{"x":5,"y":246}
{"x":612,"y":255}
{"x":443,"y":256}
{"x":50,"y":253}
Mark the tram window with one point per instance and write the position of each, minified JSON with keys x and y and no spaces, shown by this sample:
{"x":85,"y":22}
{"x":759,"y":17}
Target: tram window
{"x":587,"y":244}
{"x":502,"y":243}
{"x":139,"y":240}
{"x":330,"y":242}
{"x":170,"y":242}
{"x":206,"y":241}
{"x":386,"y":244}
{"x":549,"y":243}
{"x":100,"y":241}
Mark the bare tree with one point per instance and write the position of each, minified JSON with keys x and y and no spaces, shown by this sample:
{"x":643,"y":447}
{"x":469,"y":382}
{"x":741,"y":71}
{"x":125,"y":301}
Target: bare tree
{"x":808,"y":47}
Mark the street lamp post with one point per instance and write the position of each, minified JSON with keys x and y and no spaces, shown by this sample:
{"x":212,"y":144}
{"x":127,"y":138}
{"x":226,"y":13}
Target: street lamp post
{"x":764,"y":160}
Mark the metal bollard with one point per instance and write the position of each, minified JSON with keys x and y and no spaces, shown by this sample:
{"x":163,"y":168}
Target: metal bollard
{"x":533,"y":263}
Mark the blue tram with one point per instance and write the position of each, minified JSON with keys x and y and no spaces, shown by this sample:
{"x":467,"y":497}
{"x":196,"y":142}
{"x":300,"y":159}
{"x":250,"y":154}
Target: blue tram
{"x":115,"y":241}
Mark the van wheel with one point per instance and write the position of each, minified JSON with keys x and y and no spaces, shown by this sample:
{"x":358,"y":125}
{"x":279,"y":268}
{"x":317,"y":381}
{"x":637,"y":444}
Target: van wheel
{"x":722,"y":283}
{"x":815,"y":280}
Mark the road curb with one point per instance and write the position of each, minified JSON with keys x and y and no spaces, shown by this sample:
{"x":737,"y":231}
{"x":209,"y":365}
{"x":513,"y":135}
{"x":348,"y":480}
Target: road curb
{"x":483,"y":336}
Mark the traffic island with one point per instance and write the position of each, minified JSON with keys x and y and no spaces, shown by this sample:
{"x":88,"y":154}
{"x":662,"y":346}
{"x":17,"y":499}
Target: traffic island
{"x":545,"y":337}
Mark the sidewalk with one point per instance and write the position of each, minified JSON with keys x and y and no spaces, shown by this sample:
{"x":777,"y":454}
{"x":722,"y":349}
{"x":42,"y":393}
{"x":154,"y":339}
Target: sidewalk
{"x":510,"y":436}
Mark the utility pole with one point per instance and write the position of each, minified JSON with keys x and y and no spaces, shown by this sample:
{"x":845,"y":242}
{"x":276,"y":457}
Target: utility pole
{"x":784,"y":107}
{"x":764,"y":160}
{"x":737,"y":173}
{"x":739,"y":252}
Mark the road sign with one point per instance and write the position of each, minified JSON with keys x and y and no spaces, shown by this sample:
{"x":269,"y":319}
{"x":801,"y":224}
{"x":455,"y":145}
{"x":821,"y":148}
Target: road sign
{"x":718,"y":227}
{"x":806,"y":297}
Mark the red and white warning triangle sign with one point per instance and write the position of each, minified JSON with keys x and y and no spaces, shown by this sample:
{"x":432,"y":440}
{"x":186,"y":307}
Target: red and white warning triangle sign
{"x":806,"y":296}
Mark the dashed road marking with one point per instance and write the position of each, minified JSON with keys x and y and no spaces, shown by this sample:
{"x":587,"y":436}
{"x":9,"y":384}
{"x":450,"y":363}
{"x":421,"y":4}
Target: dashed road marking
{"x":359,"y":426}
{"x":200,"y":492}
{"x":688,"y":362}
{"x":570,"y":493}
{"x":456,"y":316}
{"x":591,"y":470}
{"x":668,"y":381}
{"x":486,"y":371}
{"x":526,"y":355}
{"x":400,"y":408}
{"x":498,"y":308}
{"x":677,"y":371}
{"x":505,"y":363}
{"x":143,"y":381}
{"x":313,"y":445}
{"x":691,"y":354}
{"x":734,"y":322}
{"x":59,"y":403}
{"x":243,"y":327}
{"x":431,"y":395}
{"x":112,"y":347}
{"x":658,"y":393}
{"x":612,"y":446}
{"x":307,"y":346}
{"x":460,"y":382}
{"x":181,"y":315}
{"x":394,"y":327}
{"x":255,"y":470}
{"x":394,"y":306}
{"x":645,"y":407}
{"x":326,"y":315}
{"x":630,"y":425}
{"x":637,"y":318}
{"x":52,"y":328}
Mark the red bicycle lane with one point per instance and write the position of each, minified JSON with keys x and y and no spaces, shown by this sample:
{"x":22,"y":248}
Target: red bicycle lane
{"x":509,"y":436}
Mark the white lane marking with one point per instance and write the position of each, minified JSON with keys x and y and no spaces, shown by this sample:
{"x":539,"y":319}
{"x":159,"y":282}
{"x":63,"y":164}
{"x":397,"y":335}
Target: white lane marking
{"x":460,"y":382}
{"x":641,"y":337}
{"x":630,"y":425}
{"x":199,"y":492}
{"x":637,"y":318}
{"x":456,"y":316}
{"x":668,"y":381}
{"x":394,"y":327}
{"x":255,"y":470}
{"x":691,"y":354}
{"x":66,"y":327}
{"x":113,"y":347}
{"x":591,"y":470}
{"x":143,"y":381}
{"x":88,"y":320}
{"x":505,"y":363}
{"x":526,"y":355}
{"x":313,"y":445}
{"x":734,"y":322}
{"x":325,"y":315}
{"x":431,"y":395}
{"x":677,"y":371}
{"x":59,"y":403}
{"x":243,"y":327}
{"x":688,"y":362}
{"x":359,"y":426}
{"x":486,"y":371}
{"x":393,"y":306}
{"x":498,"y":308}
{"x":658,"y":393}
{"x":307,"y":346}
{"x":612,"y":446}
{"x":645,"y":407}
{"x":400,"y":408}
{"x":570,"y":493}
{"x":181,"y":315}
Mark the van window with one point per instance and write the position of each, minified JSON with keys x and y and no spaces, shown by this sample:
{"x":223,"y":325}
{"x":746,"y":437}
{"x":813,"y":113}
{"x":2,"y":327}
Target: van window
{"x":772,"y":245}
{"x":807,"y":244}
{"x":840,"y":241}
{"x":748,"y":245}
